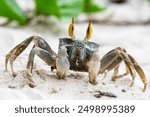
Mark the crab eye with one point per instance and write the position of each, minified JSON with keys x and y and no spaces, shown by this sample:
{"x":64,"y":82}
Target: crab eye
{"x":88,"y":32}
{"x":71,"y":29}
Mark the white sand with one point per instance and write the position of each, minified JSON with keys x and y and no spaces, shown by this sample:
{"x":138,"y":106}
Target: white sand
{"x":134,"y":38}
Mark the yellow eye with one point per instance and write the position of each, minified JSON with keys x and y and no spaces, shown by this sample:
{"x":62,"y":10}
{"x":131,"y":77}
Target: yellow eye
{"x":71,"y":29}
{"x":89,"y":32}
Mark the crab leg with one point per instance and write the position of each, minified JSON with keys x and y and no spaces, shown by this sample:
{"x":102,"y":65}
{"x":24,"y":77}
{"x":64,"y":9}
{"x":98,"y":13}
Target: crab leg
{"x":116,"y":70}
{"x":16,"y":51}
{"x":113,"y":59}
{"x":115,"y":76}
{"x":110,"y":61}
{"x":131,"y":71}
{"x":49,"y":58}
{"x":139,"y":71}
{"x":129,"y":66}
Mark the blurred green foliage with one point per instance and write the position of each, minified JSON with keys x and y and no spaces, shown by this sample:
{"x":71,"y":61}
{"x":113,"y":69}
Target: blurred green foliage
{"x":58,"y":8}
{"x":10,"y":9}
{"x":67,"y":8}
{"x":91,"y":7}
{"x":70,"y":8}
{"x":47,"y":7}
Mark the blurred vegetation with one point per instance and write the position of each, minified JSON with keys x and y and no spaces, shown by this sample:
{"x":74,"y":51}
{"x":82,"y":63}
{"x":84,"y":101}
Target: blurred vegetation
{"x":11,"y":10}
{"x":59,"y":8}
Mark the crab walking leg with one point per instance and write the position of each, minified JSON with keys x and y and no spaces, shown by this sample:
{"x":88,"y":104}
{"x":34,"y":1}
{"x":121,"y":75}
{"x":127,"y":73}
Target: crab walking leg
{"x":115,"y":76}
{"x":140,"y":71}
{"x":132,"y":73}
{"x":142,"y":76}
{"x":130,"y":66}
{"x":49,"y":58}
{"x":30,"y":61}
{"x":116,"y":70}
{"x":15,"y":52}
{"x":110,"y":61}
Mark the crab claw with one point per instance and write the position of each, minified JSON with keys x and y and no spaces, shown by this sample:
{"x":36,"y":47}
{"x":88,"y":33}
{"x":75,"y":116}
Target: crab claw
{"x":88,"y":32}
{"x":71,"y":29}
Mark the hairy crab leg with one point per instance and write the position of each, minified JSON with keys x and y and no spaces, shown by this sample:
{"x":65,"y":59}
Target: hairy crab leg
{"x":140,"y":71}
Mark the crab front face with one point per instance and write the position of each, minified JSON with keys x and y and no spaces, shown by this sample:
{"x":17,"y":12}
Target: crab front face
{"x":79,"y":52}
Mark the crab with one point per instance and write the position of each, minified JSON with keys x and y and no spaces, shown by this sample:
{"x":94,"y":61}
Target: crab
{"x":83,"y":56}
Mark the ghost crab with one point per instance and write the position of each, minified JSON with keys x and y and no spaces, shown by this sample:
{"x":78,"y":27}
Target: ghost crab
{"x":82,"y":55}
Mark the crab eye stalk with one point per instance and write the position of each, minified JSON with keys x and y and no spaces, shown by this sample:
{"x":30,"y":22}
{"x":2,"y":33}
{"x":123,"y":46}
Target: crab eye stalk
{"x":71,"y":29}
{"x":88,"y":32}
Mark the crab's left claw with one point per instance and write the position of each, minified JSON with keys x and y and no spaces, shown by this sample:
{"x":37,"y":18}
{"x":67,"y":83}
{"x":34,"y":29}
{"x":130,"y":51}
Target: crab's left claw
{"x":89,"y":32}
{"x":71,"y":29}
